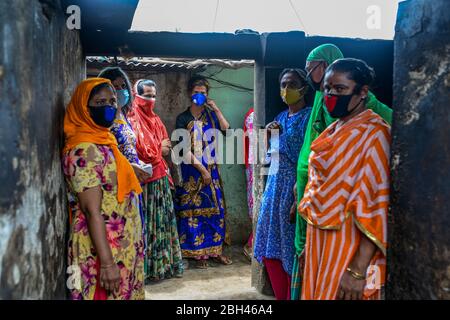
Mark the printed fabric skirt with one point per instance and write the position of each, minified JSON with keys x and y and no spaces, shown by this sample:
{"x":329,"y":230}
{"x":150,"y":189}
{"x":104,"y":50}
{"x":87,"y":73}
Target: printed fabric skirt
{"x":163,"y":258}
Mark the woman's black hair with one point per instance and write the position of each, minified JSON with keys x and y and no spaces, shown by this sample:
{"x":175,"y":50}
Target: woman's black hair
{"x":301,"y":74}
{"x":112,"y":73}
{"x":146,"y":82}
{"x":356,"y":70}
{"x":197,"y":80}
{"x":99,"y":88}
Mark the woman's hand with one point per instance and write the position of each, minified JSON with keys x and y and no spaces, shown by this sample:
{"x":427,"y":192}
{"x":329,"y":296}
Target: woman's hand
{"x":212,"y":105}
{"x":224,"y":125}
{"x":166,"y":146}
{"x":140,"y":173}
{"x":206,"y":176}
{"x":295,"y":192}
{"x":350,"y":288}
{"x":110,"y":277}
{"x":293,"y":213}
{"x":90,"y":204}
{"x":166,"y":143}
{"x":274,"y":125}
{"x":301,"y":262}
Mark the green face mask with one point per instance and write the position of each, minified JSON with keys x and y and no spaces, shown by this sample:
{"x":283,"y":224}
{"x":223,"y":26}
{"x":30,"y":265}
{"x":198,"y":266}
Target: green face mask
{"x":292,"y":96}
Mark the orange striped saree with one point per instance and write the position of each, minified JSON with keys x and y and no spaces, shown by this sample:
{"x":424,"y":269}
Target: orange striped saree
{"x":346,"y":198}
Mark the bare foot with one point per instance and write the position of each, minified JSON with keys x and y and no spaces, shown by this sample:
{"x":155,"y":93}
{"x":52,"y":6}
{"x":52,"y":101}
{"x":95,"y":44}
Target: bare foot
{"x":223,"y":260}
{"x":202,"y":264}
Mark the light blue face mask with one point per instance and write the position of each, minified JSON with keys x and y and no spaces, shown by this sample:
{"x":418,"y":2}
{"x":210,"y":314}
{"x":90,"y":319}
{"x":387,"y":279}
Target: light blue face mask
{"x":123,"y":96}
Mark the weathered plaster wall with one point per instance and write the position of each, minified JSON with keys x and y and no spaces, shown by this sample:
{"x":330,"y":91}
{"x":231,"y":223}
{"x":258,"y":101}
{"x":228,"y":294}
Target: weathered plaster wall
{"x":234,"y":104}
{"x":419,"y":222}
{"x":41,"y":62}
{"x":172,"y":97}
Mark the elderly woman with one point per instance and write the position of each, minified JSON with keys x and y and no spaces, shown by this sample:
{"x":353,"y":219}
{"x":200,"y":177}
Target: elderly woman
{"x":106,"y":244}
{"x":274,"y":242}
{"x":347,"y":195}
{"x":163,"y":254}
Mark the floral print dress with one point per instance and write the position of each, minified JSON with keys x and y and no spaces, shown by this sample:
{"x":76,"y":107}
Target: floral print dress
{"x":126,"y":140}
{"x":86,"y":166}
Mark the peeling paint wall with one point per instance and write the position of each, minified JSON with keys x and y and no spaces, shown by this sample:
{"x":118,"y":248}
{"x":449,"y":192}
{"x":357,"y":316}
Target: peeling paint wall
{"x":41,"y":62}
{"x":419,"y":221}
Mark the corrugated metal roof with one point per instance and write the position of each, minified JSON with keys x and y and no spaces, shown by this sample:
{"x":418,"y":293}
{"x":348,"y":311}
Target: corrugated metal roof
{"x":169,"y":64}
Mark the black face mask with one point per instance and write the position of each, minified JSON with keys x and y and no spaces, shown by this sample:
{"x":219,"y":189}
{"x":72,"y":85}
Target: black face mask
{"x":337,"y":105}
{"x":103,"y":116}
{"x":315,"y":85}
{"x":312,"y":83}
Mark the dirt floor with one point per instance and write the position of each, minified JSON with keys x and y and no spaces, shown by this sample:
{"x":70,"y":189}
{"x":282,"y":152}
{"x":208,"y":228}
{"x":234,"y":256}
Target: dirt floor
{"x":218,"y":282}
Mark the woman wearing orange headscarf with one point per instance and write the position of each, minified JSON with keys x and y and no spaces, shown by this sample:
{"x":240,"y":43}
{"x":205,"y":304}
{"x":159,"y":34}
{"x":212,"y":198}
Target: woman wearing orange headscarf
{"x":106,"y":245}
{"x":163,"y":254}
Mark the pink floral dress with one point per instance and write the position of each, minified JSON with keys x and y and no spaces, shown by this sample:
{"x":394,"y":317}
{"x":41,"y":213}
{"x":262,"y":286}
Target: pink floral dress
{"x":86,"y":166}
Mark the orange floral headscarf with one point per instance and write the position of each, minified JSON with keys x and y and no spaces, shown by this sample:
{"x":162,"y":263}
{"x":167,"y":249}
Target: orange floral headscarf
{"x":79,"y":127}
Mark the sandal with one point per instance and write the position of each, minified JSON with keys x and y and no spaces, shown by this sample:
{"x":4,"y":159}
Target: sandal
{"x":223,"y":260}
{"x":248,"y":253}
{"x":202,"y":264}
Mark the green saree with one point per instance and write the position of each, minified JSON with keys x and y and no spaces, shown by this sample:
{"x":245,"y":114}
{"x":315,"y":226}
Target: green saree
{"x":318,"y":122}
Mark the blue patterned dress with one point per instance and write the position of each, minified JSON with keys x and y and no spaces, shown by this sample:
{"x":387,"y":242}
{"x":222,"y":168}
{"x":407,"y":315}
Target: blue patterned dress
{"x":126,"y":140}
{"x":200,"y":208}
{"x":274,"y":232}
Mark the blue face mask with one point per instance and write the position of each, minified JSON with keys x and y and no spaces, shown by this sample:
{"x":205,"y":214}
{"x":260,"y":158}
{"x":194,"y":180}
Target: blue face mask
{"x":123,"y":96}
{"x":199,"y":99}
{"x":103,"y":116}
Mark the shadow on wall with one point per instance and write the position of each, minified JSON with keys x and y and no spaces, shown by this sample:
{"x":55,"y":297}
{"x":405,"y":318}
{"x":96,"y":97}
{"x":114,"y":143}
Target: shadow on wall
{"x":37,"y":79}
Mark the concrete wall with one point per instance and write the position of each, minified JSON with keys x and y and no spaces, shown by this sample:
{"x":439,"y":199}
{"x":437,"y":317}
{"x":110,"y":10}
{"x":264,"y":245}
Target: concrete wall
{"x":264,"y":110}
{"x":419,"y":238}
{"x":40,"y":64}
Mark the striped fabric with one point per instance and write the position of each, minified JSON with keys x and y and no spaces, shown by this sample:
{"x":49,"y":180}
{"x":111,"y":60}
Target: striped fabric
{"x":346,"y":197}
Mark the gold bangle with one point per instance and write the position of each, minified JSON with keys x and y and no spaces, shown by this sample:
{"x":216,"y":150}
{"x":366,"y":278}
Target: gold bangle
{"x":356,"y":275}
{"x":107,"y":266}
